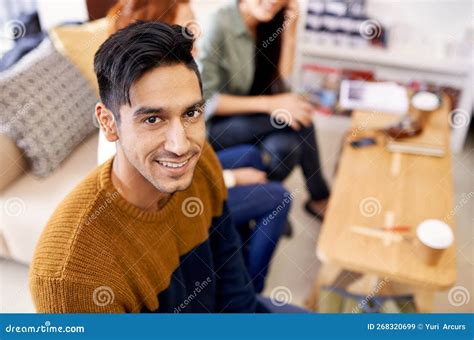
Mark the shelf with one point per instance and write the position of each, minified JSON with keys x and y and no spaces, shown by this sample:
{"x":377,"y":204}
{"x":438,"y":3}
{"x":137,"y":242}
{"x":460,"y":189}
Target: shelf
{"x":372,"y":55}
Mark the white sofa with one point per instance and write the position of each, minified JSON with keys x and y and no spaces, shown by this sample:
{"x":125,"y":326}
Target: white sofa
{"x":27,"y":204}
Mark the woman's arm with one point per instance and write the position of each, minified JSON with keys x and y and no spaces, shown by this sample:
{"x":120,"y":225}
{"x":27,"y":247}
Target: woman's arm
{"x":290,"y":106}
{"x":287,"y":57}
{"x":228,"y":105}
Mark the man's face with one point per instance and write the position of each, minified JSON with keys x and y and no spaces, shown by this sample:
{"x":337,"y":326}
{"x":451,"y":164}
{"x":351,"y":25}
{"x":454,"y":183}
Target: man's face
{"x":162,"y":133}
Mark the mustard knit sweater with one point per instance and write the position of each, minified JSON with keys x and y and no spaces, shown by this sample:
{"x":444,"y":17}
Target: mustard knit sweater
{"x":99,"y":253}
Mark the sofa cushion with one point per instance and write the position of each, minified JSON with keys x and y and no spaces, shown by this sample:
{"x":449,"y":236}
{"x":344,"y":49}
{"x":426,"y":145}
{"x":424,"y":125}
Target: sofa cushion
{"x":26,"y":206}
{"x":79,"y":44}
{"x":12,"y":162}
{"x":47,"y":107}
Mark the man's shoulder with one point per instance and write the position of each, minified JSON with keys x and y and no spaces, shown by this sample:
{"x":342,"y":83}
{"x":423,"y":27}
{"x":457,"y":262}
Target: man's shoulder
{"x":63,"y":235}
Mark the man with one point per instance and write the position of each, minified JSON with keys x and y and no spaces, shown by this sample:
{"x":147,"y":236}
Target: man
{"x":148,"y":230}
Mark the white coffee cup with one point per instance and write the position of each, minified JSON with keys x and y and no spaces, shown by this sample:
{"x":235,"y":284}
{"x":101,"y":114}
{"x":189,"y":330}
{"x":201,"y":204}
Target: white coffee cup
{"x":425,"y":101}
{"x":434,"y":236}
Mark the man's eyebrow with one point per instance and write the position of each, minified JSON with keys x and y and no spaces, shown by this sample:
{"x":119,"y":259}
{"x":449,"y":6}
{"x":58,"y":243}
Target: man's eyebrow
{"x":196,"y":105}
{"x":144,"y":110}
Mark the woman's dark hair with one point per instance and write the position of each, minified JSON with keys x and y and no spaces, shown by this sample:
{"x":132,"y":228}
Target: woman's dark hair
{"x":267,"y":78}
{"x":134,"y":50}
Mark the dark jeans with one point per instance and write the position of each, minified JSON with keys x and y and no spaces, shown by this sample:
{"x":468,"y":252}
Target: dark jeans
{"x":285,"y":148}
{"x":267,"y":204}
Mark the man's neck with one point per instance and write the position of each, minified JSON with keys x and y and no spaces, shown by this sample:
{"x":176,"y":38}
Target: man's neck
{"x":135,"y":188}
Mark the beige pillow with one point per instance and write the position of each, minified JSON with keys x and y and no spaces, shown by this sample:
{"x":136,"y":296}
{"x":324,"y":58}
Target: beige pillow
{"x":46,"y":106}
{"x":79,"y":44}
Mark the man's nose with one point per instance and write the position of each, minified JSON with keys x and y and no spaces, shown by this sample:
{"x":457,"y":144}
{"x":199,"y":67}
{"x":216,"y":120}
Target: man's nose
{"x":176,"y":139}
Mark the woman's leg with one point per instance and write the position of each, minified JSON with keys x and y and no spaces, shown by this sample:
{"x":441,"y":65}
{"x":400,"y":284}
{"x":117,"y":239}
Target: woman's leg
{"x":285,"y":147}
{"x":224,"y":132}
{"x":240,"y":156}
{"x":267,"y":204}
{"x":310,"y":164}
{"x":282,"y":152}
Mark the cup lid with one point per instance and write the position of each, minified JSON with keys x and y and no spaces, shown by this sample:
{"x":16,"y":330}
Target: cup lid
{"x":425,"y":101}
{"x":435,"y":234}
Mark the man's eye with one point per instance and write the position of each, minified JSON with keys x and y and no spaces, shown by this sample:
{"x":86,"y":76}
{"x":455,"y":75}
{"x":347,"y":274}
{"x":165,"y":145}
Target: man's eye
{"x":152,"y":120}
{"x":193,"y":114}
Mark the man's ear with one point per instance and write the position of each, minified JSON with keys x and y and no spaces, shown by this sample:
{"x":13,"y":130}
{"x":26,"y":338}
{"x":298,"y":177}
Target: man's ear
{"x":107,"y":122}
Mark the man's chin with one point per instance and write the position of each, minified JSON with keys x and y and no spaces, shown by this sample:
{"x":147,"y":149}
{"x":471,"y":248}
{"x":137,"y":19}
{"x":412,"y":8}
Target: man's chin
{"x":170,"y":186}
{"x":169,"y":181}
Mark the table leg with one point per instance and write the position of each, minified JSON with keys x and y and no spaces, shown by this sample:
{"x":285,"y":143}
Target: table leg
{"x":424,"y":300}
{"x":329,"y":275}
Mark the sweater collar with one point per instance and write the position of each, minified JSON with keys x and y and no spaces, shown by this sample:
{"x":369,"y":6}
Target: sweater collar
{"x":105,"y":183}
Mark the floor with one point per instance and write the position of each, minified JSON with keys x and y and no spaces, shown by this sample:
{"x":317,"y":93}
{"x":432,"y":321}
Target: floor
{"x":295,"y":264}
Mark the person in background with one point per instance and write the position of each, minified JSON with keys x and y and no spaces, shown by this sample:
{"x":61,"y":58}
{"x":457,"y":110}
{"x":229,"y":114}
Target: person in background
{"x":252,"y":199}
{"x":246,"y":58}
{"x":125,"y":12}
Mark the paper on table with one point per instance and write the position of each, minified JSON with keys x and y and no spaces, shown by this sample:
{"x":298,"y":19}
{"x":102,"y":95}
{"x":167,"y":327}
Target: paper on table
{"x":387,"y":97}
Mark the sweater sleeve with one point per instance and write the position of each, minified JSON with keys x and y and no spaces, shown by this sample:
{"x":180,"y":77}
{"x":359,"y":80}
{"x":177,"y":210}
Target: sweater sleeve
{"x":235,"y":292}
{"x":58,"y":295}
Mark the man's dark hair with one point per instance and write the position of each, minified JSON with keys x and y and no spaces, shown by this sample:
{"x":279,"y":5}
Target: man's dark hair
{"x":138,"y":48}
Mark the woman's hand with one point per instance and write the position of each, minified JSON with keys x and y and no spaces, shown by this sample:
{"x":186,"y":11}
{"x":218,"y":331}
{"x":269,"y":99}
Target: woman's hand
{"x":248,"y":176}
{"x":290,"y":109}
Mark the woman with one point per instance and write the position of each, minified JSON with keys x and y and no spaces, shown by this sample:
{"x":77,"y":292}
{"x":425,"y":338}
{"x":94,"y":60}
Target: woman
{"x":245,"y":58}
{"x":251,"y":197}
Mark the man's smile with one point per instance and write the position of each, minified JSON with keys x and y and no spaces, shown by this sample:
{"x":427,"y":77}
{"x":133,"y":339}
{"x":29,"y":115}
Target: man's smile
{"x":175,"y":168}
{"x":173,"y":164}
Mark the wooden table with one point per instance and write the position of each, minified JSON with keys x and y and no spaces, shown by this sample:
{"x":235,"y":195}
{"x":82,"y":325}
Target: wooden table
{"x":376,"y":188}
